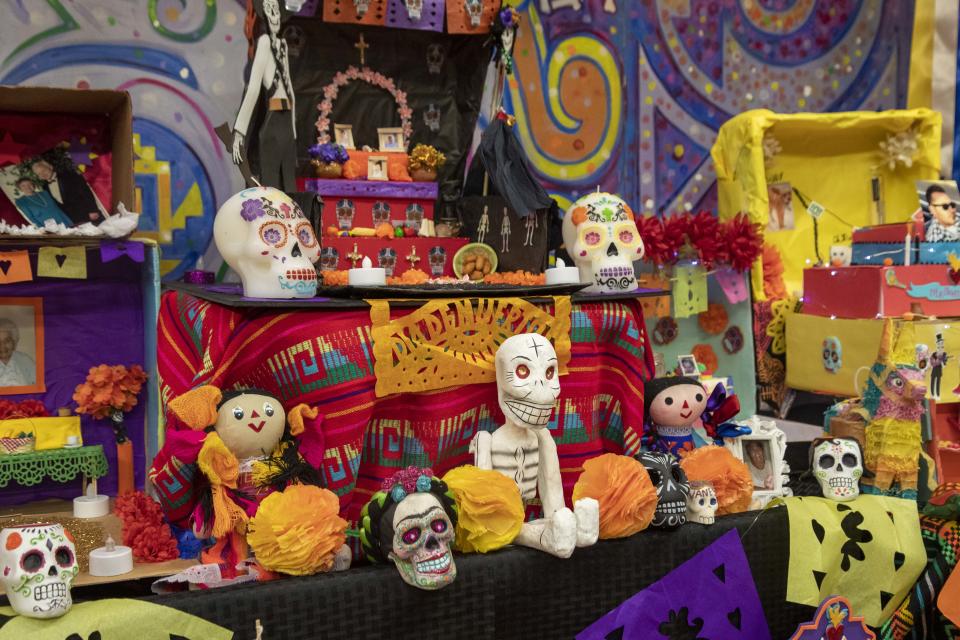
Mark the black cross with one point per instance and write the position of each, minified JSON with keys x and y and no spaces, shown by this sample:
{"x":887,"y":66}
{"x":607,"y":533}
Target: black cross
{"x":535,"y":346}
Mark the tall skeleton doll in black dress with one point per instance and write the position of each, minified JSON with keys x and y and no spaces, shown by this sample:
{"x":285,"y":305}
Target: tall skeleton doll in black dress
{"x":268,"y":107}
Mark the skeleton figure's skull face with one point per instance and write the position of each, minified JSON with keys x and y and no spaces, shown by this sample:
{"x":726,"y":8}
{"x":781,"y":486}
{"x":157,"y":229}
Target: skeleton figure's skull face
{"x":702,"y":502}
{"x":435,"y":58}
{"x":431,"y":118}
{"x":414,"y":217}
{"x":345,"y":213}
{"x":271,"y":11}
{"x":39,"y":564}
{"x":672,"y":489}
{"x":387,"y":260}
{"x":474,"y":11}
{"x":601,"y":235}
{"x":832,"y":354}
{"x":329,"y":259}
{"x":838,"y":465}
{"x":528,"y":380}
{"x":264,"y":236}
{"x":438,"y":260}
{"x":841,"y":255}
{"x":362,"y":6}
{"x":421,"y":542}
{"x":414,"y":9}
{"x":381,"y":213}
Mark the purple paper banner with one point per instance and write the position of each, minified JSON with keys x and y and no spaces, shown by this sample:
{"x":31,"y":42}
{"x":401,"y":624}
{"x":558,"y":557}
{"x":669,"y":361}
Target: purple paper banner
{"x":431,"y":15}
{"x":711,"y":595}
{"x":111,"y":250}
{"x":373,"y":189}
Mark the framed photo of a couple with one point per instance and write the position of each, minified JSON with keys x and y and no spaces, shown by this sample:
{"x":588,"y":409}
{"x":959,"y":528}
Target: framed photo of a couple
{"x":48,"y":187}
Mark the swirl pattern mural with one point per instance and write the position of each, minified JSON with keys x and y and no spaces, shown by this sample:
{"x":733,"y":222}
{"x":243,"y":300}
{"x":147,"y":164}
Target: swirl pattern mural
{"x":628,"y":96}
{"x":182,"y":62}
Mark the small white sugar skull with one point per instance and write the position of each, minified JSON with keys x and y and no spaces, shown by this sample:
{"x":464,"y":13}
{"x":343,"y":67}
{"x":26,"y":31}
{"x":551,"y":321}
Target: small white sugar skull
{"x":39,"y":564}
{"x":414,"y":217}
{"x":362,"y":6}
{"x":329,"y":259}
{"x":264,"y":236}
{"x":528,"y":380}
{"x":702,"y":502}
{"x":435,"y":58}
{"x":438,"y":260}
{"x":431,"y":118}
{"x":837,"y":464}
{"x":422,"y":535}
{"x":841,"y":255}
{"x":474,"y":11}
{"x":832,"y":354}
{"x":345,"y":214}
{"x":601,"y":235}
{"x":381,"y":213}
{"x":387,"y":260}
{"x":414,"y":9}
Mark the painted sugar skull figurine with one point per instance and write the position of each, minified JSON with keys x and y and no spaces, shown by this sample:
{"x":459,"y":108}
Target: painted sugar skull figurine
{"x":528,"y":386}
{"x":702,"y":502}
{"x":39,"y":564}
{"x":601,"y":235}
{"x":412,"y":521}
{"x":264,"y":236}
{"x":672,"y":489}
{"x":837,"y":464}
{"x":673,"y":406}
{"x":832,"y":354}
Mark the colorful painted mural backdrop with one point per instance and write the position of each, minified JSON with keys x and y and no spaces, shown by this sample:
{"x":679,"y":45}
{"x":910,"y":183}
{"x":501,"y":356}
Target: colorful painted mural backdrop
{"x":182,"y":62}
{"x":628,"y":94}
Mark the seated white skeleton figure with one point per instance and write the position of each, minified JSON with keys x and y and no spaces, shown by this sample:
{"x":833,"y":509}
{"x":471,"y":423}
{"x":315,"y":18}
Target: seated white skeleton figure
{"x":528,"y":385}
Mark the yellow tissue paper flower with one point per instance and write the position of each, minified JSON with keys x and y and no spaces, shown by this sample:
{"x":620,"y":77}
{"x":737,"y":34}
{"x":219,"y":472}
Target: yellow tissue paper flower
{"x":491,"y":510}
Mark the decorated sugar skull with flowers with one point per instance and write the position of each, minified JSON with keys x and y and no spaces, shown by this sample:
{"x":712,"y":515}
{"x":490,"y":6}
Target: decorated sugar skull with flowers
{"x":264,"y":236}
{"x":39,"y":563}
{"x":411,"y":521}
{"x":601,"y":235}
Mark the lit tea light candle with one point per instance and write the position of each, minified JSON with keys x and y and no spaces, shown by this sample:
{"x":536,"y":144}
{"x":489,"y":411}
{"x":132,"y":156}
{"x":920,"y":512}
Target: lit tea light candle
{"x":91,"y":505}
{"x":562,"y":274}
{"x":367,"y":275}
{"x":111,"y":559}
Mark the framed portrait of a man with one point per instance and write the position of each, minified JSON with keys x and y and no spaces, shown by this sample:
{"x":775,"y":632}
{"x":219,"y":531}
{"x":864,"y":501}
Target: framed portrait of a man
{"x":21,"y":346}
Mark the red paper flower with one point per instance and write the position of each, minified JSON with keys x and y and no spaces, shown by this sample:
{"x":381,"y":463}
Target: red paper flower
{"x":703,"y":232}
{"x":144,"y":530}
{"x":744,"y":241}
{"x":659,"y":248}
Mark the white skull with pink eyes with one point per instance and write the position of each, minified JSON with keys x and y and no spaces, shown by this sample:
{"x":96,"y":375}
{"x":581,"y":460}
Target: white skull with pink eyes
{"x":264,"y":236}
{"x":528,"y":380}
{"x":422,"y":539}
{"x":39,"y":564}
{"x":601,"y":236}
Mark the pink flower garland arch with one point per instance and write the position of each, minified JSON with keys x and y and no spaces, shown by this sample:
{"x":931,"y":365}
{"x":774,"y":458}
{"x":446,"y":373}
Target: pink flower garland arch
{"x":377,"y":79}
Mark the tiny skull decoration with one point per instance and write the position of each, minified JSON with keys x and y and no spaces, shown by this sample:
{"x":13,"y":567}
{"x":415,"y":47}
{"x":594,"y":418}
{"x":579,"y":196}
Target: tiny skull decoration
{"x":601,"y":235}
{"x":39,"y":565}
{"x":435,"y":58}
{"x":423,"y":534}
{"x":414,"y":9}
{"x":345,"y":213}
{"x":672,"y":489}
{"x":702,"y":502}
{"x":329,"y":259}
{"x":413,"y":217}
{"x":362,"y":6}
{"x":475,"y":11}
{"x":381,"y":213}
{"x":832,"y":354}
{"x":387,"y":260}
{"x":837,"y":464}
{"x":438,"y":260}
{"x":264,"y":236}
{"x":431,"y":118}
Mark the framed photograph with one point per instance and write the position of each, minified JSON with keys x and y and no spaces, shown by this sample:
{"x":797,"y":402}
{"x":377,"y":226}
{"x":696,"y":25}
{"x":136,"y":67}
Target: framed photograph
{"x":780,"y":196}
{"x":391,"y":139}
{"x":377,"y":168}
{"x":688,"y":366}
{"x":343,"y":135}
{"x":939,"y":200}
{"x":763,"y":452}
{"x":21,"y":346}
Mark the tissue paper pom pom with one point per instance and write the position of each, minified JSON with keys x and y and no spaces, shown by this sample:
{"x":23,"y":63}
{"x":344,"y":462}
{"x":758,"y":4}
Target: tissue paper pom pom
{"x":729,"y":476}
{"x":297,"y":531}
{"x":706,"y":356}
{"x":622,"y":487}
{"x":491,"y":510}
{"x":714,"y":319}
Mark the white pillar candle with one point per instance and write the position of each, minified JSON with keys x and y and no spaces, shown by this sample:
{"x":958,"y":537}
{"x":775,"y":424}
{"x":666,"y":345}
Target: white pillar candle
{"x":562,"y":274}
{"x":111,"y":559}
{"x":367,"y":275}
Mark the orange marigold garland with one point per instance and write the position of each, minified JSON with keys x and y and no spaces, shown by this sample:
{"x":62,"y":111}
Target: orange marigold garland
{"x":714,"y":319}
{"x":144,"y":530}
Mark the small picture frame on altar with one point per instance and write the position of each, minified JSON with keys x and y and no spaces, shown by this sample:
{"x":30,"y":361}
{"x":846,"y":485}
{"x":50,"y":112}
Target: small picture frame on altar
{"x":762,"y":452}
{"x":343,"y":135}
{"x":688,"y":366}
{"x":377,"y":168}
{"x":21,"y":346}
{"x":391,"y":139}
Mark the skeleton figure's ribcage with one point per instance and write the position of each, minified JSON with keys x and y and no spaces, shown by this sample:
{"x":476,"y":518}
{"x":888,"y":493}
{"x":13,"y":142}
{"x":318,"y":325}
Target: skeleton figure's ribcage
{"x":521,"y":465}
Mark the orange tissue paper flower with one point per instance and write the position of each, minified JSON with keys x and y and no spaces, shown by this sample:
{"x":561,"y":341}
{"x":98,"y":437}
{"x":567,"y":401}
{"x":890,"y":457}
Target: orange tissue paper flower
{"x":108,"y":389}
{"x":297,"y":531}
{"x":714,"y":319}
{"x":490,"y":509}
{"x":622,"y":487}
{"x":729,"y":476}
{"x":706,"y":356}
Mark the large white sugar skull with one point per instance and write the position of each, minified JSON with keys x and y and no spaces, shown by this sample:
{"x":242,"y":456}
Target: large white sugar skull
{"x":423,"y":534}
{"x":702,"y":502}
{"x":832,"y":354}
{"x":414,"y":9}
{"x":601,"y":235}
{"x":528,"y":380}
{"x":345,"y":213}
{"x":435,"y":57}
{"x":329,"y":259}
{"x":413,"y":217}
{"x":381,"y":213}
{"x":837,"y":464}
{"x":672,"y":489}
{"x":841,"y":255}
{"x":438,"y":260}
{"x":387,"y":260}
{"x":264,"y":236}
{"x":39,"y":564}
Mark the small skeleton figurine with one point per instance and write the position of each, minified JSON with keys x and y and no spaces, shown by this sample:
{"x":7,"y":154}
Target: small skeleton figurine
{"x":484,"y":225}
{"x":505,"y":233}
{"x":531,"y":227}
{"x":528,"y":386}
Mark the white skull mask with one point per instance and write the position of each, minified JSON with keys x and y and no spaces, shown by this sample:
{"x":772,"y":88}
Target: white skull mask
{"x":528,"y":380}
{"x":264,"y":236}
{"x":475,"y":11}
{"x":601,"y":235}
{"x":381,"y":213}
{"x":414,"y":9}
{"x":837,"y":464}
{"x":39,"y":564}
{"x":362,"y":6}
{"x":387,"y":260}
{"x":422,"y":535}
{"x":832,"y":354}
{"x":702,"y":503}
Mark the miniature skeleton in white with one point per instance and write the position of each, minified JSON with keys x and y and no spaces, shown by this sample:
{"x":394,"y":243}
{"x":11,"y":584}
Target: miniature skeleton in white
{"x":528,"y":386}
{"x":531,"y":227}
{"x":505,"y":233}
{"x":484,"y":225}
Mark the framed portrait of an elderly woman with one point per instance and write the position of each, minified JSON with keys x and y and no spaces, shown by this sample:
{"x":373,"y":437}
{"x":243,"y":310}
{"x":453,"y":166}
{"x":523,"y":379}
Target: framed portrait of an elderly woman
{"x":21,"y":346}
